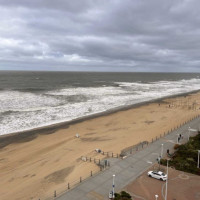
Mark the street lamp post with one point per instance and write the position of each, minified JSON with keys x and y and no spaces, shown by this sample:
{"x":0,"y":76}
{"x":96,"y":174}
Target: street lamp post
{"x":158,"y":159}
{"x":198,"y":159}
{"x":166,"y":182}
{"x":161,"y":154}
{"x":159,"y":162}
{"x":189,"y":134}
{"x":113,"y":195}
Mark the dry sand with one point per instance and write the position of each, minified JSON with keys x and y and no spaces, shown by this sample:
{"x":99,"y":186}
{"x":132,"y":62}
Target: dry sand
{"x":34,"y":167}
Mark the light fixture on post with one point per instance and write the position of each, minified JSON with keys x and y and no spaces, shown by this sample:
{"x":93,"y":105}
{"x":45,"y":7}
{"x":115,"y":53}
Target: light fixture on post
{"x":190,"y":129}
{"x":113,"y":195}
{"x":189,"y":134}
{"x":166,"y":182}
{"x":161,"y":154}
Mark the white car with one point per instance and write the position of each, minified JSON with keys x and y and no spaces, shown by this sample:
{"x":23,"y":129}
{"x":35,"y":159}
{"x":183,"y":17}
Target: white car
{"x":158,"y":175}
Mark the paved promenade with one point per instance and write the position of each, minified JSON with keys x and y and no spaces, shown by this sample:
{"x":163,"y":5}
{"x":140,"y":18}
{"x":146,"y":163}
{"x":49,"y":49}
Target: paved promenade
{"x":127,"y":170}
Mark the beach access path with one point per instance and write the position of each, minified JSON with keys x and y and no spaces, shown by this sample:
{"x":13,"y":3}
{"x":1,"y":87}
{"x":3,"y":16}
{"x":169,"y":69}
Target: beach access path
{"x":128,"y":169}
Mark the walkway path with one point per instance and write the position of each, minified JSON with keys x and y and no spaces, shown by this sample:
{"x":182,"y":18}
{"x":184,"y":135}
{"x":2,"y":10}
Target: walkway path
{"x":127,"y":170}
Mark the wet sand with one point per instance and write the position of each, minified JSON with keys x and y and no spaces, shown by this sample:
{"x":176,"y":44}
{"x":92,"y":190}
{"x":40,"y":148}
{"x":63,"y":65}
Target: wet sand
{"x":33,"y":164}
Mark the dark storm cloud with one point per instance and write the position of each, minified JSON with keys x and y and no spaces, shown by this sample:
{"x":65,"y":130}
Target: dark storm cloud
{"x":100,"y":35}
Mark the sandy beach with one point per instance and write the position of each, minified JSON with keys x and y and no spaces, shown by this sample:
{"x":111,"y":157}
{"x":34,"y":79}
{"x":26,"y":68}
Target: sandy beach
{"x":33,"y":165}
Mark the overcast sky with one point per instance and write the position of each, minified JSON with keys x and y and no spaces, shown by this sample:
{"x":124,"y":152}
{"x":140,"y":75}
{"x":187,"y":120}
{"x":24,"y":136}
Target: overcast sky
{"x":100,"y":35}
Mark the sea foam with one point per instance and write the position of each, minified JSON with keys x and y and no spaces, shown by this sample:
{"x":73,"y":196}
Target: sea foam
{"x":25,"y":110}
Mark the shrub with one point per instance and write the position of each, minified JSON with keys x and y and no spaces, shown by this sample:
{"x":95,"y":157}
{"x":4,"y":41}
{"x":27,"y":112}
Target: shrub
{"x":176,"y":146}
{"x":125,"y":194}
{"x":185,"y":158}
{"x":163,"y":162}
{"x":122,"y":196}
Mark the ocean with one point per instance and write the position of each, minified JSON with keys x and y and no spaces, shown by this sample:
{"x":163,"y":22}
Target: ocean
{"x":34,"y":99}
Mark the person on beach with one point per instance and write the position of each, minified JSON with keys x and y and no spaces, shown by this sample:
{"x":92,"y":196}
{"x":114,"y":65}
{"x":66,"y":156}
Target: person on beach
{"x":167,"y":151}
{"x":180,"y":136}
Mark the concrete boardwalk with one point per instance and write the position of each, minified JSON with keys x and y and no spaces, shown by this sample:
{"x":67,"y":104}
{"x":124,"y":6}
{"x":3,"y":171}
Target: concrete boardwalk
{"x":127,"y":170}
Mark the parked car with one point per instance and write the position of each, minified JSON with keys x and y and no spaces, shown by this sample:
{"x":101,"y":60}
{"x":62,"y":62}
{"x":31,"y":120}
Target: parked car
{"x":158,"y":175}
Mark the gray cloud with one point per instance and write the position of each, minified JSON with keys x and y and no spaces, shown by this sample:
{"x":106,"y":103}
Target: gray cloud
{"x":100,"y":35}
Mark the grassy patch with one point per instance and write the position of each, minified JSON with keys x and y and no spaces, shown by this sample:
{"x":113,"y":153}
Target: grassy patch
{"x":186,"y":156}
